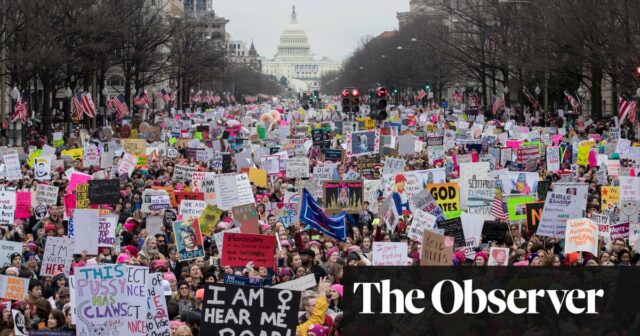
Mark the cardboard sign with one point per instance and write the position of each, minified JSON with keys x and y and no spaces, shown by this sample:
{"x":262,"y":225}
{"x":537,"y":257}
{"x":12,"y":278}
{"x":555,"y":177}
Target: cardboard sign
{"x":581,"y":236}
{"x":247,"y":215}
{"x":157,"y":314}
{"x":7,"y":248}
{"x":436,"y":250}
{"x":629,"y":188}
{"x":182,"y":173}
{"x":188,"y":239}
{"x":7,"y":207}
{"x":393,"y":165}
{"x":198,"y":177}
{"x":107,"y":230}
{"x":553,"y":159}
{"x":267,"y":311}
{"x":191,"y":209}
{"x":136,"y":147}
{"x":90,"y":305}
{"x":389,"y":254}
{"x":127,"y":164}
{"x":447,"y":196}
{"x":341,"y":196}
{"x":323,"y":173}
{"x":241,"y":248}
{"x":299,"y":284}
{"x":13,"y":288}
{"x":421,"y":222}
{"x":85,"y":231}
{"x":494,"y":231}
{"x":498,"y":256}
{"x":104,"y":191}
{"x":297,"y":167}
{"x":47,"y":194}
{"x":58,"y":255}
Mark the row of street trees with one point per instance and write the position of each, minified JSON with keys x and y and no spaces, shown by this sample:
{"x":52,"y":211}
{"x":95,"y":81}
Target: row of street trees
{"x":46,"y":46}
{"x":491,"y":45}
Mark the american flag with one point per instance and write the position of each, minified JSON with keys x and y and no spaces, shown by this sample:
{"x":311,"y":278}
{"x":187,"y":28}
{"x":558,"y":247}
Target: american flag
{"x":421,"y":94}
{"x":118,"y":104}
{"x":78,"y":109}
{"x":142,"y":98}
{"x":534,"y":102}
{"x":173,"y":95}
{"x":575,"y":104}
{"x":197,"y":98}
{"x":164,"y":95}
{"x":216,"y":99}
{"x":497,"y":209}
{"x":21,"y":111}
{"x":457,"y":96}
{"x":87,"y":105}
{"x":498,"y":103}
{"x":475,"y":99}
{"x":626,"y":109}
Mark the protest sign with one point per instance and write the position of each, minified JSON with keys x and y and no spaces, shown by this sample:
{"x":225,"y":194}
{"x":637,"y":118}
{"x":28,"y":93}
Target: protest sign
{"x":107,"y":230}
{"x":436,"y":250}
{"x":389,"y":254}
{"x":425,"y":202}
{"x":182,"y":173}
{"x":453,"y":228}
{"x":610,"y":197}
{"x":341,"y":196}
{"x":12,"y":167}
{"x":472,"y":230}
{"x":557,"y":209}
{"x":421,"y":221}
{"x":236,"y":190}
{"x":91,"y":155}
{"x":7,"y":248}
{"x":603,"y":226}
{"x":498,"y":256}
{"x":239,"y":310}
{"x":127,"y":164}
{"x":218,"y":238}
{"x":271,"y":164}
{"x":23,"y":204}
{"x":42,"y":168}
{"x":188,"y":239}
{"x":287,"y":213}
{"x":82,"y":196}
{"x":447,"y":196}
{"x":299,"y":284}
{"x":191,"y":209}
{"x":47,"y":194}
{"x":629,"y":188}
{"x":104,"y":191}
{"x":519,"y":183}
{"x":553,"y":159}
{"x":480,"y":195}
{"x":58,"y":255}
{"x":534,"y":213}
{"x":209,"y":218}
{"x":371,"y":193}
{"x":85,"y":231}
{"x":393,"y":165}
{"x":619,"y":231}
{"x":494,"y":231}
{"x":241,"y":248}
{"x":19,"y":323}
{"x":13,"y":288}
{"x":323,"y":173}
{"x":247,"y":215}
{"x":363,"y":143}
{"x":94,"y":309}
{"x":7,"y":207}
{"x":157,"y":313}
{"x":613,"y":167}
{"x":198,"y":177}
{"x":581,"y":235}
{"x":230,"y":279}
{"x":516,"y":206}
{"x":297,"y":167}
{"x":136,"y":147}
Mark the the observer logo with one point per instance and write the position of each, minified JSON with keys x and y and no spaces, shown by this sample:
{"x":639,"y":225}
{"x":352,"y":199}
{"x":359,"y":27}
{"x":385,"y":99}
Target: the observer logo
{"x":475,"y":301}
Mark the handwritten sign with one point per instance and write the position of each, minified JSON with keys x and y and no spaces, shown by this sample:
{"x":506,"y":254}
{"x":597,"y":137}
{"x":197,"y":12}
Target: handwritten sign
{"x":107,"y":230}
{"x":191,"y":209}
{"x":241,"y":248}
{"x":247,"y":215}
{"x":393,"y":165}
{"x":12,"y":167}
{"x":436,"y":250}
{"x":581,"y":236}
{"x":389,"y":254}
{"x":182,"y":172}
{"x":58,"y":254}
{"x":297,"y":167}
{"x":7,"y":248}
{"x":85,"y":229}
{"x":47,"y":194}
{"x":13,"y":288}
{"x":157,"y":313}
{"x":82,"y":196}
{"x":23,"y":204}
{"x":104,"y":191}
{"x":7,"y":207}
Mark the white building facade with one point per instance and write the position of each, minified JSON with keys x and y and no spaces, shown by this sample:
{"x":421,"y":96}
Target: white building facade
{"x":294,"y":59}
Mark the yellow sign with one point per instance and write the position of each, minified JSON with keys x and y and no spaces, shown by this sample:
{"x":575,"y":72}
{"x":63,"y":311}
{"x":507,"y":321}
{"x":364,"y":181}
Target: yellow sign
{"x":136,"y":147}
{"x":258,"y":177}
{"x":75,"y":154}
{"x":32,"y":157}
{"x":142,"y":161}
{"x":82,"y":196}
{"x":369,"y":123}
{"x":583,"y":155}
{"x":610,"y":197}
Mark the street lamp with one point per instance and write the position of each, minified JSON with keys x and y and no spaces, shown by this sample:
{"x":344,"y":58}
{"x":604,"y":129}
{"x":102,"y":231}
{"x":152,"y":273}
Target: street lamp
{"x":638,"y":93}
{"x":67,"y":111}
{"x":399,"y":47}
{"x":15,"y":94}
{"x":153,"y":99}
{"x":505,"y":90}
{"x":537,"y":90}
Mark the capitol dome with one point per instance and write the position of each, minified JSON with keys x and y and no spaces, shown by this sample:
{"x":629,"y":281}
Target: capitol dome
{"x":293,"y":41}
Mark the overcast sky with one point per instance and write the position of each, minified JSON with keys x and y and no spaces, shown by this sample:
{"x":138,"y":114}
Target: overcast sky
{"x":334,"y":27}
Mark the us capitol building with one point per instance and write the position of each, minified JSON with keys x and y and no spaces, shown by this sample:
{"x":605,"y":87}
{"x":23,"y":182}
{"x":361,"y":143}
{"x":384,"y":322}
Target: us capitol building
{"x":295,"y":61}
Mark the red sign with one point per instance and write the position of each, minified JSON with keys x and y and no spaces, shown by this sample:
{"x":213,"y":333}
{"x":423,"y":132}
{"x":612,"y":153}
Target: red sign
{"x":241,"y":248}
{"x":189,"y":195}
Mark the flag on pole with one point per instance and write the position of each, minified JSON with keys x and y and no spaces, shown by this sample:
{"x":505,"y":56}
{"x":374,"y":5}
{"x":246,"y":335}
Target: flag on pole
{"x":118,"y":104}
{"x":575,"y":104}
{"x":78,"y":108}
{"x":475,"y":99}
{"x":141,"y":99}
{"x":497,"y":209}
{"x":457,"y":96}
{"x":421,"y":94}
{"x":164,"y":95}
{"x":87,"y":105}
{"x":626,"y":109}
{"x":312,"y":214}
{"x":532,"y":100}
{"x":498,"y":103}
{"x":21,"y":111}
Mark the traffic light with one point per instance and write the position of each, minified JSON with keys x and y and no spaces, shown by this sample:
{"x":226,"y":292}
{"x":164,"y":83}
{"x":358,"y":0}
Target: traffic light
{"x":427,"y":86}
{"x":379,"y":104}
{"x":350,"y":100}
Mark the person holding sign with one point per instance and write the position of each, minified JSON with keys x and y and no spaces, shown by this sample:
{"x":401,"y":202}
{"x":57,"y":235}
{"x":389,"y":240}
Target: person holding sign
{"x":315,"y":308}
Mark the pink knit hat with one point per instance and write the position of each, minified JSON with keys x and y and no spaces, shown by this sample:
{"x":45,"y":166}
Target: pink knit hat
{"x":338,"y":288}
{"x":521,"y":263}
{"x":169,"y":276}
{"x":123,"y":258}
